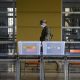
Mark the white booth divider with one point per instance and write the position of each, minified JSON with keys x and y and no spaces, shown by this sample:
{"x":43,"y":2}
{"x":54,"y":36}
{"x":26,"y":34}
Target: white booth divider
{"x":29,"y":47}
{"x":53,"y":48}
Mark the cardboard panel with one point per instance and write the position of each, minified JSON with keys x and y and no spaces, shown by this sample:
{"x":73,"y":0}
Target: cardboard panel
{"x":53,"y":19}
{"x":29,"y":14}
{"x":33,"y":34}
{"x":39,"y":5}
{"x":28,"y":34}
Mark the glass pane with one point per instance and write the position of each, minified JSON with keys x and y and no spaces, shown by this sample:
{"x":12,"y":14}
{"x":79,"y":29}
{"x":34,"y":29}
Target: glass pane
{"x":7,"y":49}
{"x":10,"y":21}
{"x":71,"y":20}
{"x":10,"y":9}
{"x":6,"y":0}
{"x":6,"y":34}
{"x":71,"y":34}
{"x":71,"y":5}
{"x":71,"y":12}
{"x":3,"y":17}
{"x":72,"y":49}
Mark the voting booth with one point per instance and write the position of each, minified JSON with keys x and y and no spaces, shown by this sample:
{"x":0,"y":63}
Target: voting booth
{"x":29,"y":47}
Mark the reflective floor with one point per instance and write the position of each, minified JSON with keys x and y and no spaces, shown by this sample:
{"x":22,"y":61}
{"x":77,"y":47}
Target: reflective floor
{"x":51,"y":76}
{"x":31,"y":72}
{"x":51,"y":72}
{"x":35,"y":76}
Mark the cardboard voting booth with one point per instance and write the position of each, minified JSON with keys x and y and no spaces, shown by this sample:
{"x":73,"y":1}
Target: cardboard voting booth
{"x":29,"y":47}
{"x":53,"y":47}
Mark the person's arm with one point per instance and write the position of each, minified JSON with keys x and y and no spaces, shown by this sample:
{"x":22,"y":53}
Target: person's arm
{"x":48,"y":34}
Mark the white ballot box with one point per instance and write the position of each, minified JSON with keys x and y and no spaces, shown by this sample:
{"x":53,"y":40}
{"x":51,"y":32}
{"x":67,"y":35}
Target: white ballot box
{"x":29,"y":47}
{"x":53,"y":47}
